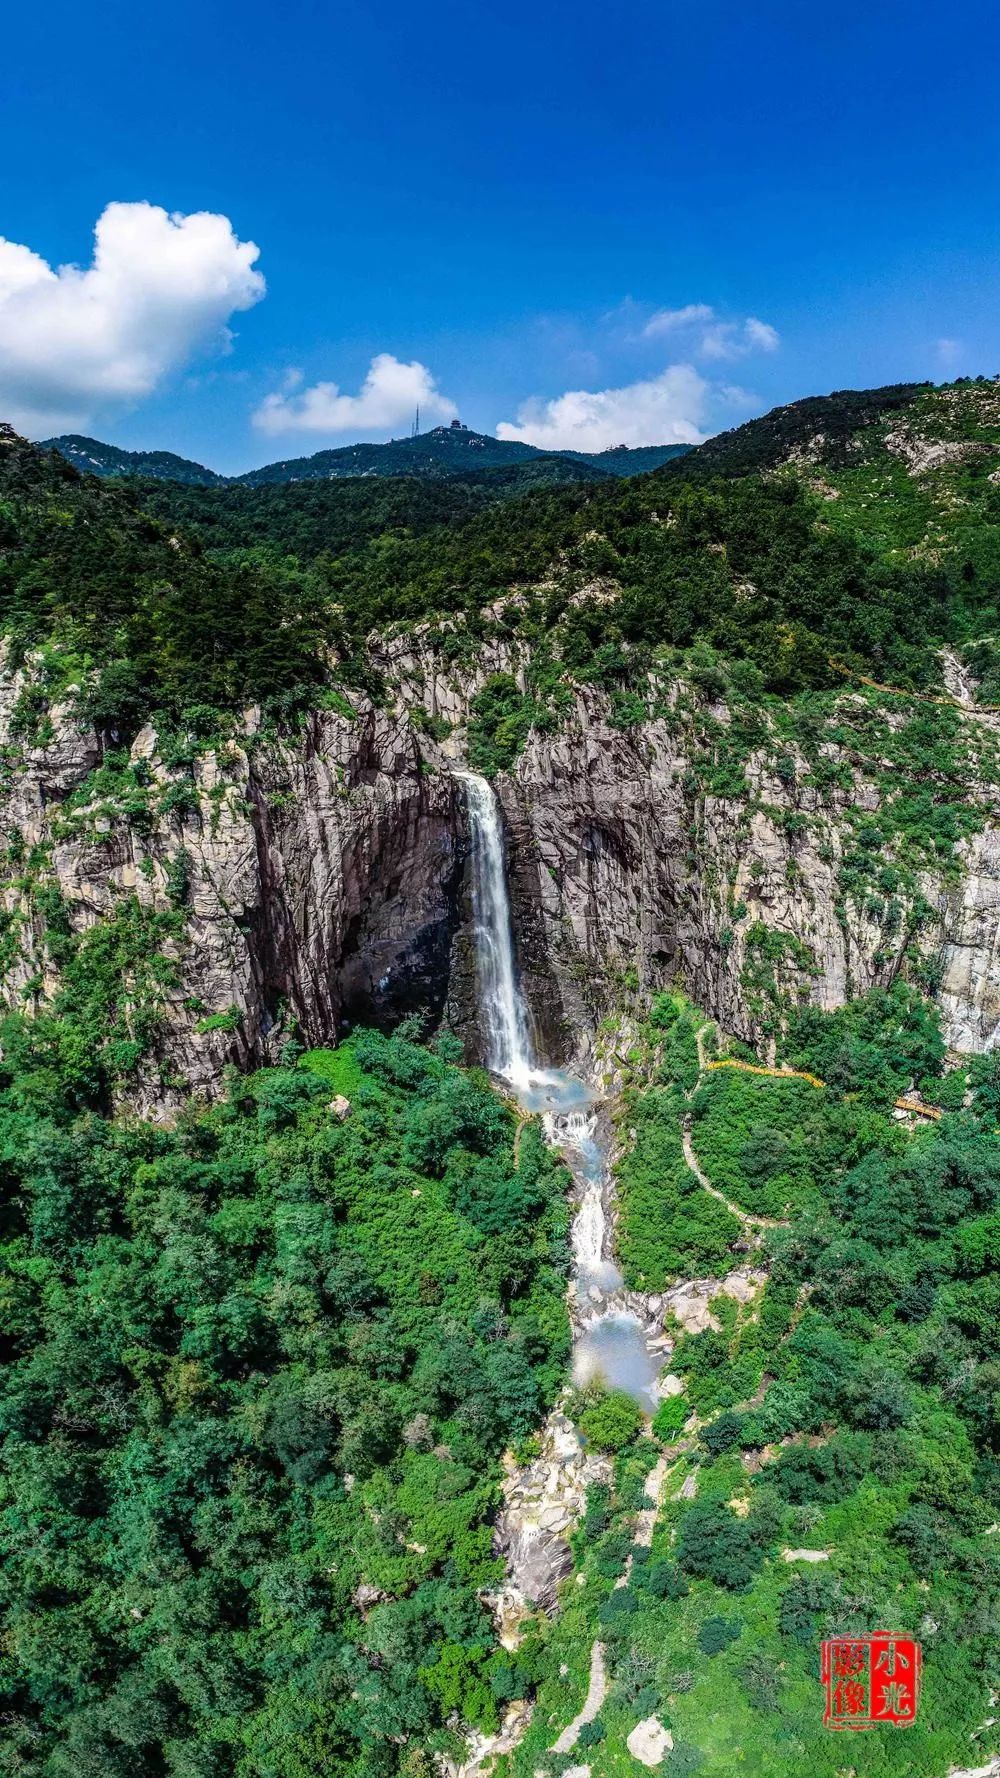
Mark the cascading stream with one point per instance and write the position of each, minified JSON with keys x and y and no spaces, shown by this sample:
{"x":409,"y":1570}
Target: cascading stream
{"x":545,"y":1497}
{"x":609,"y":1341}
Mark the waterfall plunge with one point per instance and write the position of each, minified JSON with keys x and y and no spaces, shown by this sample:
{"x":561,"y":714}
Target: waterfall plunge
{"x":569,"y":1116}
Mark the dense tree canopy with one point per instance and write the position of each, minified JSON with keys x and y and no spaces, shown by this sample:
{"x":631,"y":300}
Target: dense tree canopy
{"x":257,"y":1373}
{"x":209,"y":598}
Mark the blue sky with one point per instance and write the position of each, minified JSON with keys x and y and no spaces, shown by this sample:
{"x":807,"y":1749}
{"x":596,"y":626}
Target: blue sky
{"x":512,"y":198}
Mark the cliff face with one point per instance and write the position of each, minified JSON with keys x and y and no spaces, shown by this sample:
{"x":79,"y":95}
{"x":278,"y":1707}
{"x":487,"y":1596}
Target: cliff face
{"x":316,"y":883}
{"x":321,"y":882}
{"x":739,"y":899}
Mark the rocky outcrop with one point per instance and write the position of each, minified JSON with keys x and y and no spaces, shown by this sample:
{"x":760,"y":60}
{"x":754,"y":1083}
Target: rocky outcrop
{"x":922,"y":455}
{"x":543,"y":1501}
{"x":969,"y":993}
{"x":649,"y":1741}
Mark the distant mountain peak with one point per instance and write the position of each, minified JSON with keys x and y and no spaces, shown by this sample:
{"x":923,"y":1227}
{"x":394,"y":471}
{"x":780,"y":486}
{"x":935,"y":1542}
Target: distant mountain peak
{"x":92,"y":457}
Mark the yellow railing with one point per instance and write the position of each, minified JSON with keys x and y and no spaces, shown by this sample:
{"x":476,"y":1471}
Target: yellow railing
{"x":918,"y":1110}
{"x":911,"y":1105}
{"x":901,"y":691}
{"x":759,"y":1068}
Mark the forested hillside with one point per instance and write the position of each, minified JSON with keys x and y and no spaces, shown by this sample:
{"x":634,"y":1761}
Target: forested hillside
{"x":236,"y":595}
{"x":273,"y":1351}
{"x":258,"y":1370}
{"x":91,"y":457}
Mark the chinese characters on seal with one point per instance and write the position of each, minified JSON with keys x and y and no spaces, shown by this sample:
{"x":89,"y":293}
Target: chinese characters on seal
{"x":870,"y":1680}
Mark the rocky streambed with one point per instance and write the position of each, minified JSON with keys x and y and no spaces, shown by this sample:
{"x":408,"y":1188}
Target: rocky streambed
{"x":619,"y":1337}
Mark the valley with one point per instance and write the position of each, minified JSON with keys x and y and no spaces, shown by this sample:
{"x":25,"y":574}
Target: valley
{"x":500,"y":999}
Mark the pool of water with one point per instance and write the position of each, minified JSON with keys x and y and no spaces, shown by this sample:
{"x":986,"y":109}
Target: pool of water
{"x":612,"y":1345}
{"x":550,"y":1090}
{"x":613,"y":1349}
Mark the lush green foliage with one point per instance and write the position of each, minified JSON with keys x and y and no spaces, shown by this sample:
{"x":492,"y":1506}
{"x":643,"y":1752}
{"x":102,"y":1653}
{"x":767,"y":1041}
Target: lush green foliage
{"x":164,"y":626}
{"x":230,"y":595}
{"x":849,"y":1410}
{"x":760,"y":1141}
{"x":258,"y":1369}
{"x":668,"y":1227}
{"x":501,"y":719}
{"x":608,"y":1418}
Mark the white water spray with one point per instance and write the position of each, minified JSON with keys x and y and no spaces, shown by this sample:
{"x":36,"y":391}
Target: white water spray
{"x":509,"y":1049}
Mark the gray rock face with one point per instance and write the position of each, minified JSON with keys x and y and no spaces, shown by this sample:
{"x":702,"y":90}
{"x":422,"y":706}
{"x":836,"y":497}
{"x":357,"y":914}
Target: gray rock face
{"x":970,"y":955}
{"x":634,"y":873}
{"x":542,"y":1504}
{"x":322,"y":880}
{"x":325,"y":878}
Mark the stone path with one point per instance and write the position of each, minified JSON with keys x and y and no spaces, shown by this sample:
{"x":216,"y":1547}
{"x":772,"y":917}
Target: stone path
{"x":591,"y":1704}
{"x":743,"y":1216}
{"x":645,"y":1518}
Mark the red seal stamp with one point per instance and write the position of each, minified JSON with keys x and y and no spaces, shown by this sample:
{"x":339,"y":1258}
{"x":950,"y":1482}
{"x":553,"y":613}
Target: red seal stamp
{"x":870,"y":1680}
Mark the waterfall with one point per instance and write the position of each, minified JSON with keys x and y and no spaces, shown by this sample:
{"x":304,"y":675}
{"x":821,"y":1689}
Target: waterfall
{"x":609,"y":1339}
{"x":545,"y":1496}
{"x":509,"y":1050}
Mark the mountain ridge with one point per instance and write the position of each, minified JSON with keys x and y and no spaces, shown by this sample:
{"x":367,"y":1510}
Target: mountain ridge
{"x":92,"y":457}
{"x":443,"y":451}
{"x":834,"y":428}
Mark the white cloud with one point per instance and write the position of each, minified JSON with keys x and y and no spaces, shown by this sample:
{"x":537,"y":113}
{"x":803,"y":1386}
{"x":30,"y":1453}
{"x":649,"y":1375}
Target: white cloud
{"x":670,"y":320}
{"x":711,"y":337}
{"x":159,"y":287}
{"x":389,"y":397}
{"x":668,"y":409}
{"x":734,"y":395}
{"x":761,"y":334}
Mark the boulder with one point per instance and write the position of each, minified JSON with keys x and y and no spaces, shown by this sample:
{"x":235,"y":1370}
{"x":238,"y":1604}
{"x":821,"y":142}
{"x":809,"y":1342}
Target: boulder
{"x":649,"y":1741}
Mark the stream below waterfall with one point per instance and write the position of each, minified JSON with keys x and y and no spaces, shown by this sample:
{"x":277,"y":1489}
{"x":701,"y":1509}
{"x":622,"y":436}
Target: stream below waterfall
{"x":546,"y":1497}
{"x":610,"y":1342}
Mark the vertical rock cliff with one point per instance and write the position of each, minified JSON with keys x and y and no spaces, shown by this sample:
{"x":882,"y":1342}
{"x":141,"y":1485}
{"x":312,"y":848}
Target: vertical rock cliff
{"x":320,"y":880}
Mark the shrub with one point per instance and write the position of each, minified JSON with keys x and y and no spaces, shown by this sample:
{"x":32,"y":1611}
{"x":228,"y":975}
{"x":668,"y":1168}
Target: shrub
{"x":665,"y":1581}
{"x":610,"y":1419}
{"x":591,"y":1733}
{"x":717,"y":1633}
{"x":716,"y":1545}
{"x":670,"y":1416}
